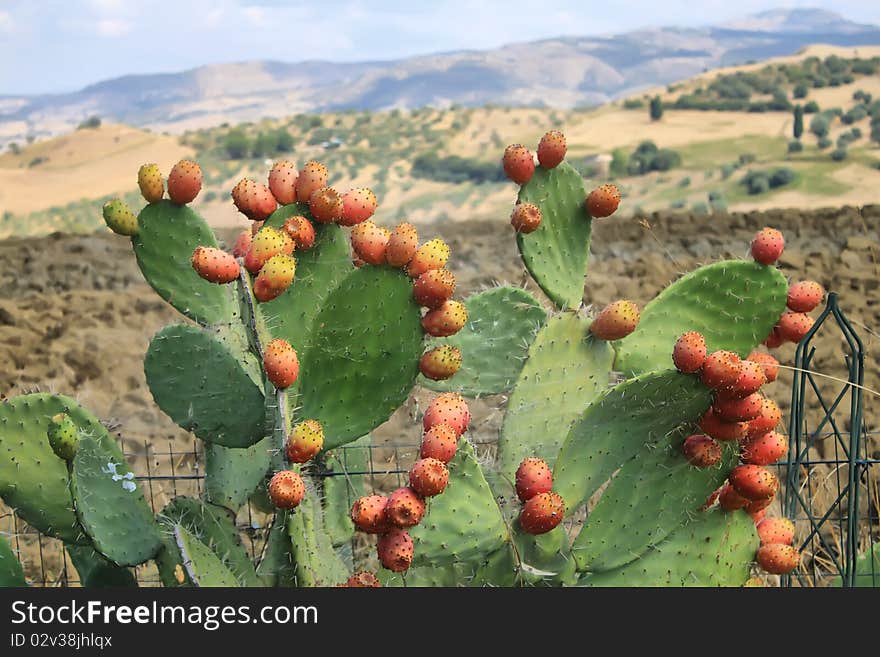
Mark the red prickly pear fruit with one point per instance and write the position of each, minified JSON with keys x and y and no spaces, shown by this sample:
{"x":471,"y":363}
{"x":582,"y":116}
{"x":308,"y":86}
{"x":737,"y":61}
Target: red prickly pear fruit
{"x":440,"y":363}
{"x":718,"y":429}
{"x":721,"y":369}
{"x":756,"y":506}
{"x":119,"y":218}
{"x":701,"y":450}
{"x":151,"y":184}
{"x":395,"y":550}
{"x":730,"y":500}
{"x":242,"y":244}
{"x":794,"y":327}
{"x":265,"y":244}
{"x":525,"y":218}
{"x":275,"y":277}
{"x":533,"y":477}
{"x":448,"y":408}
{"x":433,"y":288}
{"x":551,"y":149}
{"x":357,"y":205}
{"x":215,"y":265}
{"x":312,"y":176}
{"x":325,"y":204}
{"x":282,"y":182}
{"x":754,"y":482}
{"x":739,"y":410}
{"x":184,"y":182}
{"x":756,"y":516}
{"x":767,"y":246}
{"x":446,"y":320}
{"x":286,"y":489}
{"x":689,"y":352}
{"x":778,"y":559}
{"x":764,"y":449}
{"x":542,"y":513}
{"x":405,"y":508}
{"x":774,"y":339}
{"x":428,"y":477}
{"x":433,"y":254}
{"x":363,"y":580}
{"x":439,"y":442}
{"x":301,"y":231}
{"x":750,"y":379}
{"x":368,"y":514}
{"x":304,"y":441}
{"x":281,"y":363}
{"x":616,"y":320}
{"x":803,"y":297}
{"x":253,"y":200}
{"x":518,"y":163}
{"x":776,"y":530}
{"x":713,"y":497}
{"x":603,"y":201}
{"x":369,"y":242}
{"x":767,"y":362}
{"x":402,"y":245}
{"x":768,"y":420}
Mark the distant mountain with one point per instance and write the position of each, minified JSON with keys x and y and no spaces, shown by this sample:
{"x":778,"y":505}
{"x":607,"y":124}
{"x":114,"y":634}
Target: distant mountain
{"x":564,"y":72}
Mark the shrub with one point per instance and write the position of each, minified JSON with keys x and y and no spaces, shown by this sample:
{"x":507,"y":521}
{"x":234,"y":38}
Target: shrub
{"x":236,"y":144}
{"x":795,"y":146}
{"x":90,"y":123}
{"x":684,"y":182}
{"x":800,"y":90}
{"x":838,"y":154}
{"x":812,"y":107}
{"x":633,"y":103}
{"x":820,"y":125}
{"x":781,"y":177}
{"x":824,"y":143}
{"x":656,"y":108}
{"x":854,"y":115}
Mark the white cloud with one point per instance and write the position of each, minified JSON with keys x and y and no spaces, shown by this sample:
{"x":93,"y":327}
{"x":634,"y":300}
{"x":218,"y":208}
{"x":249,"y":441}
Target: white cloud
{"x":6,"y":22}
{"x":113,"y":27}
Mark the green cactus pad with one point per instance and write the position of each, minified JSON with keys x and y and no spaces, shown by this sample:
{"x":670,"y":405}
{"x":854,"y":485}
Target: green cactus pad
{"x":364,"y":355}
{"x":733,"y":303}
{"x":109,"y":504}
{"x":716,"y":549}
{"x":11,"y":573}
{"x":317,"y":563}
{"x":556,"y":254}
{"x":545,"y":559}
{"x":565,"y":371}
{"x":867,"y":570}
{"x":32,"y":479}
{"x":619,"y":423}
{"x":167,"y":236}
{"x":502,"y":322}
{"x":344,"y":487}
{"x":215,"y":528}
{"x":199,"y":384}
{"x":203,"y":568}
{"x":276,"y":567}
{"x":232,"y":474}
{"x":96,"y":572}
{"x":447,"y":575}
{"x":651,"y":496}
{"x":464,"y":523}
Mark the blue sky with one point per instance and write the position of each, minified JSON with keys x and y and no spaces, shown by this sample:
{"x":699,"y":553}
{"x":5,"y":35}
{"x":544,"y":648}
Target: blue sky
{"x":62,"y":45}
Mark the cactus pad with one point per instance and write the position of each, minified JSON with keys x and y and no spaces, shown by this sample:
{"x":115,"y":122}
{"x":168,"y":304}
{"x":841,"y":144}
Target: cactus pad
{"x":276,"y":567}
{"x":545,"y":559}
{"x":232,"y":474}
{"x":347,"y":483}
{"x":317,"y":563}
{"x":96,"y":572}
{"x":203,"y":567}
{"x":11,"y":573}
{"x":502,"y":322}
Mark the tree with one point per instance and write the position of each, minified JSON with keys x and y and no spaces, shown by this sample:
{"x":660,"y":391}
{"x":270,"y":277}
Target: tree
{"x":798,"y":121}
{"x":656,"y":108}
{"x":801,"y":90}
{"x":820,"y":126}
{"x":236,"y":144}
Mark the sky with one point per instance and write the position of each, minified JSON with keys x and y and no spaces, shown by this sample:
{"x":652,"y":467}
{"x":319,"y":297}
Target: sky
{"x":51,"y":46}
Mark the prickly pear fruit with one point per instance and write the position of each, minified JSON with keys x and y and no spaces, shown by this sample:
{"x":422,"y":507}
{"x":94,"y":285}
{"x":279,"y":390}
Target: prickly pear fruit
{"x":768,"y":420}
{"x":439,"y":442}
{"x":755,"y":506}
{"x":368,"y":514}
{"x":275,"y":277}
{"x":325,"y":204}
{"x":616,"y":320}
{"x":753,"y":482}
{"x":151,"y":184}
{"x":749,"y":380}
{"x":286,"y":489}
{"x":730,"y":500}
{"x":395,"y":550}
{"x":551,"y":149}
{"x":541,"y":513}
{"x":369,"y":242}
{"x":739,"y":410}
{"x":362,"y":580}
{"x":301,"y":231}
{"x":184,"y":182}
{"x":767,"y":362}
{"x":441,"y":362}
{"x":433,"y":254}
{"x":794,"y":327}
{"x":603,"y":201}
{"x":304,"y":441}
{"x":701,"y":450}
{"x":533,"y":476}
{"x":776,"y":530}
{"x":518,"y":163}
{"x":253,"y":200}
{"x":778,"y":559}
{"x":405,"y":508}
{"x":281,"y":363}
{"x":756,"y":516}
{"x":119,"y":218}
{"x":764,"y":449}
{"x":721,"y":369}
{"x":282,"y":182}
{"x":242,"y":244}
{"x":215,"y":265}
{"x":63,"y":436}
{"x":718,"y":429}
{"x":773,"y":339}
{"x":767,"y":246}
{"x":312,"y":176}
{"x":433,"y":288}
{"x":804,"y":296}
{"x":265,"y":244}
{"x":448,"y":408}
{"x":402,"y":245}
{"x":525,"y":218}
{"x":446,"y":320}
{"x":428,"y":477}
{"x":689,"y":352}
{"x":357,"y":205}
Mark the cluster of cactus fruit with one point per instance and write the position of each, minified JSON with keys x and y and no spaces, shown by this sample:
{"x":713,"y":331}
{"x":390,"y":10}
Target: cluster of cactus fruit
{"x":302,"y":342}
